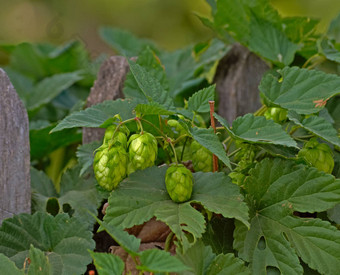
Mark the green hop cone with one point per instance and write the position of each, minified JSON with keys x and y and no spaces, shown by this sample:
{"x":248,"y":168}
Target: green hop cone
{"x":110,"y":165}
{"x":142,"y":151}
{"x":319,"y":155}
{"x":279,"y":115}
{"x":176,"y":127}
{"x":179,"y":183}
{"x":120,"y":135}
{"x":202,"y":158}
{"x":237,"y":177}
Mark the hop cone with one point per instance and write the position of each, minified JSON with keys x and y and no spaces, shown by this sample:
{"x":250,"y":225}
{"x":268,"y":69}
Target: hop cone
{"x":179,"y":183}
{"x":201,"y":157}
{"x":318,"y":155}
{"x":142,"y":151}
{"x":120,"y":135}
{"x":176,"y":127}
{"x":279,"y":115}
{"x":110,"y":165}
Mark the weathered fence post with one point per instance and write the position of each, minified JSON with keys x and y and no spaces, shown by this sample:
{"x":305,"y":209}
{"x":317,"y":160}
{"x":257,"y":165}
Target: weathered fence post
{"x":15,"y":190}
{"x":237,"y":78}
{"x":109,"y":85}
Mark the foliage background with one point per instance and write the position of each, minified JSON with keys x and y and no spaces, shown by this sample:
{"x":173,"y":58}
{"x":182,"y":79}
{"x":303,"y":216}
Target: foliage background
{"x":171,"y":23}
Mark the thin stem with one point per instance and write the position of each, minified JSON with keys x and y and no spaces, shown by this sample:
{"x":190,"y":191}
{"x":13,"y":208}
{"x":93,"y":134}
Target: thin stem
{"x":154,"y":126}
{"x":212,"y":121}
{"x":234,"y":152}
{"x":173,"y":149}
{"x":168,"y":241}
{"x":139,"y":123}
{"x":261,"y":111}
{"x":299,"y":139}
{"x":294,"y":129}
{"x":185,"y":142}
{"x":226,"y":140}
{"x":307,"y":136}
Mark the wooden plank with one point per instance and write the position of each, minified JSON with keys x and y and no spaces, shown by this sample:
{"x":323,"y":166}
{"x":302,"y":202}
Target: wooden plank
{"x":15,"y":190}
{"x":108,"y":86}
{"x":237,"y":78}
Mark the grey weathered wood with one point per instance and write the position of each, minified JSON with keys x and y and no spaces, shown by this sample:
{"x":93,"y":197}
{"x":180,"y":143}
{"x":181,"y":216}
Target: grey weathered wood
{"x":108,"y":86}
{"x":237,"y":78}
{"x":15,"y":190}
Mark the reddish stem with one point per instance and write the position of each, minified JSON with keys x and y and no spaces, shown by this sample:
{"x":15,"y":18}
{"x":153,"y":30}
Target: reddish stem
{"x":212,"y":121}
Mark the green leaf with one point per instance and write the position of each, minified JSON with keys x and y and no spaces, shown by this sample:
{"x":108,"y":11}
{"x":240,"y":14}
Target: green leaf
{"x":279,"y":150}
{"x":85,"y":155}
{"x":300,"y":90}
{"x":184,"y":221}
{"x":270,"y":42}
{"x":199,"y":101}
{"x":155,"y":260}
{"x":254,"y":129}
{"x":330,"y":50}
{"x":198,"y":258}
{"x":334,"y":214}
{"x":128,"y":242}
{"x":227,"y":264}
{"x":124,"y":42}
{"x":39,"y":263}
{"x":299,"y":29}
{"x":79,"y":193}
{"x":235,"y":16}
{"x":43,"y":143}
{"x":334,"y":29}
{"x":43,"y":60}
{"x":219,"y":234}
{"x":65,"y":239}
{"x":179,"y":68}
{"x":151,"y":64}
{"x":317,"y":125}
{"x":152,"y":108}
{"x":107,"y":264}
{"x":218,"y":194}
{"x":8,"y":267}
{"x":275,"y":189}
{"x":150,"y":86}
{"x":142,"y":196}
{"x":49,"y":88}
{"x":96,"y":115}
{"x":137,"y":198}
{"x":208,"y":139}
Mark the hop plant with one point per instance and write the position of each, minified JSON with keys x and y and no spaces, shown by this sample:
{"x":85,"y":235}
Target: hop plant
{"x":179,"y":183}
{"x":142,"y":151}
{"x":279,"y":115}
{"x":120,"y":135}
{"x":318,"y":155}
{"x":110,"y":165}
{"x":201,"y":157}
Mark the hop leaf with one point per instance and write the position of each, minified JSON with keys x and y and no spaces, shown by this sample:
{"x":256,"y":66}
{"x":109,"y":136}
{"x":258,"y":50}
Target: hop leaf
{"x":110,"y":165}
{"x":201,"y":157}
{"x":142,"y":151}
{"x":179,"y":183}
{"x":319,"y":155}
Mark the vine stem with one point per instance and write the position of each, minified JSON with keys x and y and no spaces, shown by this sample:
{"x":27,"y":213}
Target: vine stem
{"x":168,"y":241}
{"x":173,"y":149}
{"x":234,"y":152}
{"x":212,"y":121}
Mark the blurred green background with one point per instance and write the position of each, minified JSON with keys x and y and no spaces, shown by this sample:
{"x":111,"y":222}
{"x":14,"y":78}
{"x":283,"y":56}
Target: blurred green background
{"x":171,"y":23}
